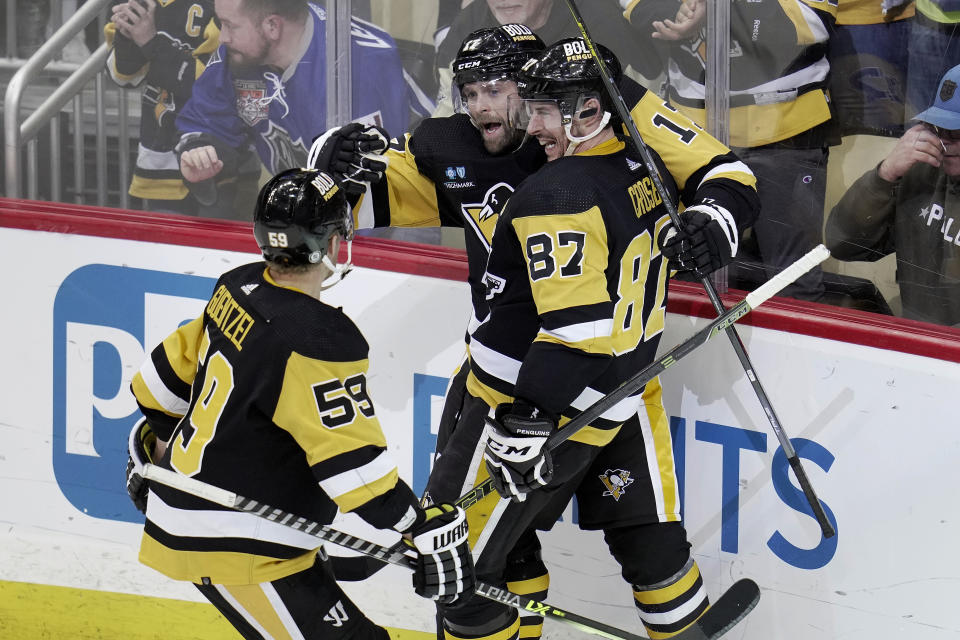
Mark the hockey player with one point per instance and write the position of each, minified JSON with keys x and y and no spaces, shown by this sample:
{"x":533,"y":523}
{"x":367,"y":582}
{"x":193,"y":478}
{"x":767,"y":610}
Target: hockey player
{"x":577,"y":293}
{"x":164,"y":47}
{"x":265,"y":87}
{"x":266,"y":394}
{"x":460,"y":170}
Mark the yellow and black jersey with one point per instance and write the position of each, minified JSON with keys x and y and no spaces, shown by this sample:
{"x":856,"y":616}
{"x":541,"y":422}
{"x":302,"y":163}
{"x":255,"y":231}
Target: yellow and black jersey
{"x":441,"y":175}
{"x":577,"y":288}
{"x":778,"y":66}
{"x":860,"y":12}
{"x":166,"y":66}
{"x":266,"y":395}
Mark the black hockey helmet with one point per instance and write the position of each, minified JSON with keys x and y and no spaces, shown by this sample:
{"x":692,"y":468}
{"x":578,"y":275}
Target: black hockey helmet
{"x":494,"y":52}
{"x":564,"y":72}
{"x":297,"y":212}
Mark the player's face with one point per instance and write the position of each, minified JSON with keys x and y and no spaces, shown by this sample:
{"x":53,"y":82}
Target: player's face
{"x":242,"y":34}
{"x":533,"y":13}
{"x":546,"y":125}
{"x":487,"y":103}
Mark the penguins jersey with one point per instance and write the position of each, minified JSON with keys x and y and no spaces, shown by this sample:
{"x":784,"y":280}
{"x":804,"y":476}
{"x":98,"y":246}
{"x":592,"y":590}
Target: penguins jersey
{"x":778,"y":66}
{"x":441,"y":175}
{"x":577,"y":288}
{"x":166,"y":66}
{"x":266,"y":395}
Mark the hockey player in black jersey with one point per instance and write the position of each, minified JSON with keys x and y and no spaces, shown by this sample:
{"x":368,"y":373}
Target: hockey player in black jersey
{"x":266,"y":394}
{"x":460,"y":170}
{"x":577,"y":288}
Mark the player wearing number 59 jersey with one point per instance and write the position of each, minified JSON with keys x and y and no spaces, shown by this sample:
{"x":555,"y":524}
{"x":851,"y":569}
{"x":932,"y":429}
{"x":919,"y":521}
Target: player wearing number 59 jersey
{"x":265,"y":394}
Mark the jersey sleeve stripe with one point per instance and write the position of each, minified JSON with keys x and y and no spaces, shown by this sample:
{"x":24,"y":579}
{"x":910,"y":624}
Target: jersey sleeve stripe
{"x":346,"y":461}
{"x":494,"y":363}
{"x":359,"y":477}
{"x":590,"y":337}
{"x":216,"y":523}
{"x":152,"y":391}
{"x":618,"y":413}
{"x":734,"y":171}
{"x":366,"y":491}
{"x":576,"y":315}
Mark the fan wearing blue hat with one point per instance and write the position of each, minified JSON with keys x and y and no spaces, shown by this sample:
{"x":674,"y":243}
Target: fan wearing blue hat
{"x":910,"y":205}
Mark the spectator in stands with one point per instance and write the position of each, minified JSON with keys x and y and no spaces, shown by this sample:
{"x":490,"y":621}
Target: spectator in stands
{"x":781,"y":124}
{"x":163,"y":48}
{"x":934,"y":48}
{"x":910,"y":204}
{"x":868,"y":67}
{"x":265,"y":87}
{"x":551,"y":20}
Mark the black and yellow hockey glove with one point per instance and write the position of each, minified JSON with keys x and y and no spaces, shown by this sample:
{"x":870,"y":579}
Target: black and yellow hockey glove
{"x":444,"y":568}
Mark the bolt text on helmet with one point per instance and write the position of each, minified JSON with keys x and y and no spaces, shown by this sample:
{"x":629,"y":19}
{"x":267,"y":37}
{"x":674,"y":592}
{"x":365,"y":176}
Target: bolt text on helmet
{"x":517,"y":30}
{"x":325,"y":185}
{"x":575,"y":48}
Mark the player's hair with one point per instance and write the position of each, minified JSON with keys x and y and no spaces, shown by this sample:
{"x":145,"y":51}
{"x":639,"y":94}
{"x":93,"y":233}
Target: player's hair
{"x":289,"y":9}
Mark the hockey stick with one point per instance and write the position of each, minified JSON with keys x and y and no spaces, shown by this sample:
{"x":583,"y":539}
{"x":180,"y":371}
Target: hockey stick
{"x":825,"y":526}
{"x":629,"y":386}
{"x":736,"y":602}
{"x":355,"y":568}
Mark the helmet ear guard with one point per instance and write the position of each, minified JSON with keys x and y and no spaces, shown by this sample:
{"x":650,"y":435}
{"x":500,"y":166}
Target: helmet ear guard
{"x":297,"y":213}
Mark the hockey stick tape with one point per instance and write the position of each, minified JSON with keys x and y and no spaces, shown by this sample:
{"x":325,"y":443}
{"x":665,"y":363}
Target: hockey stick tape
{"x":773,"y":286}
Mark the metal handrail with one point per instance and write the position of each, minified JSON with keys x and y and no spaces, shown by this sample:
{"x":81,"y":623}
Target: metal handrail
{"x":16,"y":135}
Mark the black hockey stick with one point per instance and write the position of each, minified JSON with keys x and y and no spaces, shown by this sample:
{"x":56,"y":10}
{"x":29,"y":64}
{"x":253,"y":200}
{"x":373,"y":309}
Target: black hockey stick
{"x":629,"y":386}
{"x":739,"y":349}
{"x":735,"y":603}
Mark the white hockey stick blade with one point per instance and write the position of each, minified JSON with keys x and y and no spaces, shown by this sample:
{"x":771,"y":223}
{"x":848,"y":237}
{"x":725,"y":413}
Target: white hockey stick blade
{"x":189,"y":485}
{"x":774,"y":285}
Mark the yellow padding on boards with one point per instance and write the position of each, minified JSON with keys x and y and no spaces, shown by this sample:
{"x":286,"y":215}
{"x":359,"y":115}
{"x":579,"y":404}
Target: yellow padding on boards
{"x":35,"y":611}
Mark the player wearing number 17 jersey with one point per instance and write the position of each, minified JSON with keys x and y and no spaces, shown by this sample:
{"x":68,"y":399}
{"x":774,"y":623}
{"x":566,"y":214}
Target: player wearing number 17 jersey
{"x":265,"y":394}
{"x":577,"y":284}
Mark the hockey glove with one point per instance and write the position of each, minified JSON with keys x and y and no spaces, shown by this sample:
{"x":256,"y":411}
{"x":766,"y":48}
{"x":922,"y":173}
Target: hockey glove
{"x":516,"y":459}
{"x":444,"y":568}
{"x":139,"y":448}
{"x":707,"y":241}
{"x":351,"y":154}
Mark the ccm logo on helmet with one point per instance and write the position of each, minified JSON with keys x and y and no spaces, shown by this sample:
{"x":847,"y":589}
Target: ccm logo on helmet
{"x":325,"y":185}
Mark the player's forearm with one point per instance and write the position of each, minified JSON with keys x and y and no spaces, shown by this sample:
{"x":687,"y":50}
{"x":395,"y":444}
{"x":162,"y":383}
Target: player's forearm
{"x":552,"y":375}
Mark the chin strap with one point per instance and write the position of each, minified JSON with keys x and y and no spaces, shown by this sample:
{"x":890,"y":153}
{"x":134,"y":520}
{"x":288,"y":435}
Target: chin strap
{"x":337,"y":271}
{"x":575,"y":140}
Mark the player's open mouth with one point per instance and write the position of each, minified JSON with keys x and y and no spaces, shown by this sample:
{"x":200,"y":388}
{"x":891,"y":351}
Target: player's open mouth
{"x":491,"y":128}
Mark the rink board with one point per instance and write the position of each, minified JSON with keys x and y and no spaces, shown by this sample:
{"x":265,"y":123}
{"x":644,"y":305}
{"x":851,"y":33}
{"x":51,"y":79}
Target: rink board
{"x":876,"y":428}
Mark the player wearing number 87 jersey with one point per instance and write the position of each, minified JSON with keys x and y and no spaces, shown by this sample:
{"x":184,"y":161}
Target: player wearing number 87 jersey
{"x":265,"y":394}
